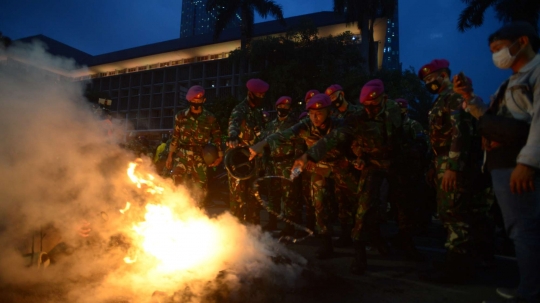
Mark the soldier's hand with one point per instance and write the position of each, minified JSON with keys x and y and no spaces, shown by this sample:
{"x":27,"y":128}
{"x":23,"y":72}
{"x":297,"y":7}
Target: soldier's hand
{"x":463,"y":88}
{"x":359,"y":164}
{"x":256,"y":149}
{"x":169,"y":161}
{"x":216,"y":163}
{"x":232,"y":143}
{"x":300,"y":162}
{"x":449,"y":181}
{"x":522,"y":179}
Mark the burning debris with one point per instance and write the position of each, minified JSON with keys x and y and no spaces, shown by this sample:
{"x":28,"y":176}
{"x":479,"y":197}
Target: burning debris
{"x":134,"y":238}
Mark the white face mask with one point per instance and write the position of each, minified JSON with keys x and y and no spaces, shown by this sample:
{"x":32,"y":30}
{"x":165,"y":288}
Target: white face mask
{"x":503,"y":59}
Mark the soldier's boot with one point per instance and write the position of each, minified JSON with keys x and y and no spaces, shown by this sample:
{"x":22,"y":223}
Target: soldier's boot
{"x":326,"y":250}
{"x":344,"y":239}
{"x":359,"y":263}
{"x":456,"y":269}
{"x":271,"y":224}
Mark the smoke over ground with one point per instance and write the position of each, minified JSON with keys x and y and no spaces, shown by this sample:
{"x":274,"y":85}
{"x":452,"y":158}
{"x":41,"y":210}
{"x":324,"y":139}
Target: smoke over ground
{"x":59,"y":173}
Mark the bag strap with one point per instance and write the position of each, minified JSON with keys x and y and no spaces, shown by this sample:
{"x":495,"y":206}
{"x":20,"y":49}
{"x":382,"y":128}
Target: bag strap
{"x":494,"y":107}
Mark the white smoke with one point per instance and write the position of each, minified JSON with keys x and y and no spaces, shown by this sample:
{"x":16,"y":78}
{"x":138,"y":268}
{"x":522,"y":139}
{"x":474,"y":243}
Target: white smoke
{"x":58,"y":170}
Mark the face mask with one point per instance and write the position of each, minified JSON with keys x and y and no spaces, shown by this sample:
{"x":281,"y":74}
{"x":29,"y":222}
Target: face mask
{"x":433,"y":86}
{"x":196,"y":106}
{"x":257,"y":101}
{"x":372,"y":109}
{"x":283,"y":112}
{"x":339,"y":101}
{"x":503,"y":59}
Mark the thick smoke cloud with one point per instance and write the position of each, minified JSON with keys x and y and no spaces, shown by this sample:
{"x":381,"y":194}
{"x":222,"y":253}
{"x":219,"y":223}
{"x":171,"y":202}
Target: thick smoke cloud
{"x":60,"y":173}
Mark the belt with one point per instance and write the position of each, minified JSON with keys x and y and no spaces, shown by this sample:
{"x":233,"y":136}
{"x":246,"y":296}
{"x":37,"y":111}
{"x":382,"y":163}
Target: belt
{"x":441,"y":150}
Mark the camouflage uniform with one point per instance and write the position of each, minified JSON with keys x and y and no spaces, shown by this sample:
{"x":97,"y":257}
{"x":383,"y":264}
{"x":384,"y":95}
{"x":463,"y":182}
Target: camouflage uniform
{"x":280,"y":163}
{"x":346,"y":180}
{"x":450,"y":134}
{"x":374,"y":140}
{"x":407,"y":173}
{"x":138,"y":148}
{"x":191,"y":133}
{"x":307,"y":131}
{"x":245,"y":123}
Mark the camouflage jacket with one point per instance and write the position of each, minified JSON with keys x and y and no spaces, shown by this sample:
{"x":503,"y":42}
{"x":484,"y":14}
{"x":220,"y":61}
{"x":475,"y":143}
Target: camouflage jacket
{"x":246,"y":123}
{"x":450,"y":129}
{"x":412,"y":131}
{"x":310,"y":134}
{"x":195,"y":131}
{"x":371,"y":138}
{"x":138,"y":148}
{"x":351,"y":108}
{"x":287,"y":149}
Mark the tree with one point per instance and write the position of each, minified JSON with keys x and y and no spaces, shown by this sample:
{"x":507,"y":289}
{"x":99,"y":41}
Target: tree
{"x":506,"y":11}
{"x":364,"y":13}
{"x":4,"y":41}
{"x":301,"y":60}
{"x":227,"y":10}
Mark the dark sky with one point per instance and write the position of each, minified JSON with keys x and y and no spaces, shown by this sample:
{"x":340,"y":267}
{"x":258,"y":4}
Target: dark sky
{"x":428,"y":29}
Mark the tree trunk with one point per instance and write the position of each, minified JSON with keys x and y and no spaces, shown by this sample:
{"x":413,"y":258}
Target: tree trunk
{"x":365,"y":45}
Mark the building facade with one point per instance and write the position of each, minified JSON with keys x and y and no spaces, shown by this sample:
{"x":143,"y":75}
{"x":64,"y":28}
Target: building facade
{"x":148,"y":84}
{"x":196,"y":20}
{"x":391,"y":49}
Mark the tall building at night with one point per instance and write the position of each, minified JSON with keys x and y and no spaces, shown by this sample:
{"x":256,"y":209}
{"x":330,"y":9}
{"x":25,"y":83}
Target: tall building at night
{"x":391,"y":46}
{"x":196,"y":20}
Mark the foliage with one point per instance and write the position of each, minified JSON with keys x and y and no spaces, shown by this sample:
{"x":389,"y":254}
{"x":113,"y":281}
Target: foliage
{"x":506,"y":11}
{"x":222,"y":108}
{"x":364,"y":13}
{"x":301,"y":60}
{"x":4,"y":41}
{"x":227,"y":10}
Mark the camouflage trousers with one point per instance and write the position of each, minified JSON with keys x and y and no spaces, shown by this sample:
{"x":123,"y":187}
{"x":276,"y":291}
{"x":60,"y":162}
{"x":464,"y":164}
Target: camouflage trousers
{"x":405,"y":185}
{"x":319,"y":176}
{"x":454,"y":208}
{"x":367,"y":213}
{"x":346,"y":191}
{"x":306,"y":196}
{"x":190,"y":170}
{"x":282,"y":194}
{"x":243,"y":203}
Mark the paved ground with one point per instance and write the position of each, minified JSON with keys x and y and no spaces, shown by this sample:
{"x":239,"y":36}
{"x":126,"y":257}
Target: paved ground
{"x":393,"y":278}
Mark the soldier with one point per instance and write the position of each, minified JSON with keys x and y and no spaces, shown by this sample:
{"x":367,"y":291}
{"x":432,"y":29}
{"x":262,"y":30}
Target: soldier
{"x":280,"y":164}
{"x":345,"y":175}
{"x":406,"y":176}
{"x":138,"y":145}
{"x":245,"y":126}
{"x":450,"y":134}
{"x":312,"y":130}
{"x":193,"y":129}
{"x":373,"y":135}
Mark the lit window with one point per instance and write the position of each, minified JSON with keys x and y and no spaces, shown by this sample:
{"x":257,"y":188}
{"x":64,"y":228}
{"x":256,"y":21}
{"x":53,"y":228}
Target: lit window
{"x":389,"y":48}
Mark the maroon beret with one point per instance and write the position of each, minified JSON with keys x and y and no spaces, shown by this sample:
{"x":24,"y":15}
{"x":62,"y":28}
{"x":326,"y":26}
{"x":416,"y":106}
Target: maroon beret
{"x":284,"y":100}
{"x":402,"y":102}
{"x":257,"y":86}
{"x":371,"y":90}
{"x":432,"y":67}
{"x":332,"y":89}
{"x":319,"y":101}
{"x":302,"y":115}
{"x":310,"y":93}
{"x":195,"y":92}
